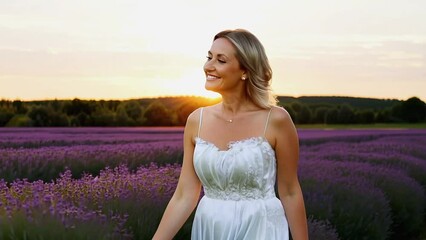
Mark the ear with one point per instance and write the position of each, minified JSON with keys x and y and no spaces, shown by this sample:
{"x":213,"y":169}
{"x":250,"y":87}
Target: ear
{"x":244,"y":76}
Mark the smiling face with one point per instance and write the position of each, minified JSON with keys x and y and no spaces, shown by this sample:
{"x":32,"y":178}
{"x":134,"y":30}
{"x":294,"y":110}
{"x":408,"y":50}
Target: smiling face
{"x":222,"y":69}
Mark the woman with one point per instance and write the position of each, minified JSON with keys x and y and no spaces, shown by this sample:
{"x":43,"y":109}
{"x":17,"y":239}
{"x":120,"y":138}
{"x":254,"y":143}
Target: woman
{"x":236,"y":150}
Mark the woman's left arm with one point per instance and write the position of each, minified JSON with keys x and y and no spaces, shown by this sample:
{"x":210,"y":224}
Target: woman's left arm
{"x":289,"y":190}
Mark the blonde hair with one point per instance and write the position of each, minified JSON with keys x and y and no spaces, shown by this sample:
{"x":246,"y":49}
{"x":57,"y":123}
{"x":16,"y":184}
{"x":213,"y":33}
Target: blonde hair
{"x":252,"y":58}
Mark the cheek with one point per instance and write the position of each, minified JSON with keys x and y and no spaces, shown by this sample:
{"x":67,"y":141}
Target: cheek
{"x":227,"y":71}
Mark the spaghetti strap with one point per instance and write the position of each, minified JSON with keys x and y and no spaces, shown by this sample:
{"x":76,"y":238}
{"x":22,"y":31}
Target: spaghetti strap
{"x":267,"y":121}
{"x":199,"y":124}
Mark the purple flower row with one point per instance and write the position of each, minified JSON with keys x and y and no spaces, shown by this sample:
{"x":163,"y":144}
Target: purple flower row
{"x":78,"y":201}
{"x":362,"y":183}
{"x":367,"y":187}
{"x":47,"y":162}
{"x":39,"y":137}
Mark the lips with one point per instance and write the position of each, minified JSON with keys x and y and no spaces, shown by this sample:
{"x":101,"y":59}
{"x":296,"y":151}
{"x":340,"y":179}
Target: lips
{"x":211,"y":77}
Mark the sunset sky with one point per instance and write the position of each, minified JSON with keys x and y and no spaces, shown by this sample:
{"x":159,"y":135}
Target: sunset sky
{"x":122,"y":49}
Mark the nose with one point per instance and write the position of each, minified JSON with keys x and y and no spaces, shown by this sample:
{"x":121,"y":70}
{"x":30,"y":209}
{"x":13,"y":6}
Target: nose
{"x":208,"y":66}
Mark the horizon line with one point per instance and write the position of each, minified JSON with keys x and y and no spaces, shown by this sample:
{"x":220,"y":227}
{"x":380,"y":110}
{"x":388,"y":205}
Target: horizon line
{"x":194,"y":96}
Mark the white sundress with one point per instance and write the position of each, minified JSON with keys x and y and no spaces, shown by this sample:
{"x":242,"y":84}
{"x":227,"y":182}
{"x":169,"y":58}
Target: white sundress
{"x":239,"y":199}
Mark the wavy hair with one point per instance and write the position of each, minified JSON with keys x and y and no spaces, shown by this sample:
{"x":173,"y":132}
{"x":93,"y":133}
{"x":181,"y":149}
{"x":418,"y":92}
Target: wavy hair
{"x":252,"y":58}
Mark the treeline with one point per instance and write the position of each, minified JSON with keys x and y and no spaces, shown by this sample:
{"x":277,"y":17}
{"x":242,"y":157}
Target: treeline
{"x":173,"y":111}
{"x":349,"y":110}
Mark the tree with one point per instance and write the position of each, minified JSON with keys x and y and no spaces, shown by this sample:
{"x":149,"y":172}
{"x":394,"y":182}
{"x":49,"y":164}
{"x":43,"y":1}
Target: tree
{"x":80,"y":120}
{"x":77,"y":106}
{"x":296,"y":106}
{"x":332,"y":116}
{"x":366,"y":116}
{"x":19,"y":107}
{"x":122,"y":119}
{"x":58,"y":119}
{"x":413,"y":110}
{"x":129,"y":113}
{"x":20,"y":120}
{"x":295,"y":109}
{"x":346,"y":114}
{"x":56,"y":105}
{"x":156,"y":114}
{"x":383,"y":116}
{"x":5,"y":115}
{"x":103,"y":117}
{"x":133,"y":109}
{"x":320,"y":114}
{"x":304,"y":115}
{"x":40,"y":116}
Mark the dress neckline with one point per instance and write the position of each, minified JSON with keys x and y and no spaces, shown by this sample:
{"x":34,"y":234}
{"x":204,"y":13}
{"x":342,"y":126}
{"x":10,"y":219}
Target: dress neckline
{"x":233,"y":143}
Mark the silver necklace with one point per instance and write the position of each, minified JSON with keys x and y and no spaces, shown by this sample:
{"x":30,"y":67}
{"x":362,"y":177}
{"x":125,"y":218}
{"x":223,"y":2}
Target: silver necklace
{"x":227,"y":120}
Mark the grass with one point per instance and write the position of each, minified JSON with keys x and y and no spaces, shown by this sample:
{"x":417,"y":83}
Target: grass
{"x":364,"y":126}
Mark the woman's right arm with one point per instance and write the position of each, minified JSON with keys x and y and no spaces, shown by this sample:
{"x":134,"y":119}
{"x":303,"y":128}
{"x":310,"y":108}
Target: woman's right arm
{"x":187,"y":193}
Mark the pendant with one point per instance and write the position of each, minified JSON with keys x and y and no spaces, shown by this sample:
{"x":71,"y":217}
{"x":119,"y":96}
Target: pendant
{"x":230,"y":120}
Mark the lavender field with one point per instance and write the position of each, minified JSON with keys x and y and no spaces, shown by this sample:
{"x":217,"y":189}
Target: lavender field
{"x":114,"y":183}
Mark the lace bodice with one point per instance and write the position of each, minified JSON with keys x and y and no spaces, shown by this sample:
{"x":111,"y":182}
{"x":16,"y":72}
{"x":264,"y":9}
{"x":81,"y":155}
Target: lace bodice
{"x":246,"y":170}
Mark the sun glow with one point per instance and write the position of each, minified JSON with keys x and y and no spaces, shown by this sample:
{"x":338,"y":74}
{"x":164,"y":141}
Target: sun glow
{"x":128,"y":49}
{"x":193,"y":84}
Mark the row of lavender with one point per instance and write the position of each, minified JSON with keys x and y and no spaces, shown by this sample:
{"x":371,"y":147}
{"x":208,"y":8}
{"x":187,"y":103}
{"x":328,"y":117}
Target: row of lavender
{"x":368,"y":189}
{"x":101,"y":183}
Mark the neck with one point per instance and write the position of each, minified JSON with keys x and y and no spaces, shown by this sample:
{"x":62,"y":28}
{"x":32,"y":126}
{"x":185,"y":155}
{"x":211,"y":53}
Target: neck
{"x":233,"y":106}
{"x":234,"y":103}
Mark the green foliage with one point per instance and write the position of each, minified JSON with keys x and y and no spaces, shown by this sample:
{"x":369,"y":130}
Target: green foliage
{"x":346,"y":114}
{"x":384,"y":116}
{"x":174,"y":111}
{"x":5,"y":115}
{"x":58,"y":119}
{"x":83,"y":119}
{"x":300,"y":113}
{"x":129,"y":113}
{"x":413,"y":110}
{"x":355,"y":102}
{"x":319,"y":115}
{"x":103,"y":117}
{"x":44,"y":116}
{"x":39,"y":116}
{"x":332,"y":116}
{"x":122,"y":119}
{"x":133,"y":110}
{"x":77,"y":106}
{"x":19,"y":107}
{"x":365,"y":116}
{"x":20,"y":120}
{"x":156,"y":114}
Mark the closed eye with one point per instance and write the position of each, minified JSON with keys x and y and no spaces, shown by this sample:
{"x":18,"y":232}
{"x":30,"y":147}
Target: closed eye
{"x":219,"y":60}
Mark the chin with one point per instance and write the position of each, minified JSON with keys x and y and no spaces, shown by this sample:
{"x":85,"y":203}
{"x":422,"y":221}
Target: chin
{"x":212,"y":87}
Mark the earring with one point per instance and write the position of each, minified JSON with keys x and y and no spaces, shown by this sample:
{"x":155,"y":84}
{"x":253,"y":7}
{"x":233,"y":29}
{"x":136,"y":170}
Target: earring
{"x":243,"y":78}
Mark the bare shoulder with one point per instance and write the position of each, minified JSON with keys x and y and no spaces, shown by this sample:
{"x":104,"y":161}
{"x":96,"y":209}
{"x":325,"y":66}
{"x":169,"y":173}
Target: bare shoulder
{"x":282,"y":127}
{"x":191,"y":126}
{"x":280,"y":117}
{"x":194,"y":116}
